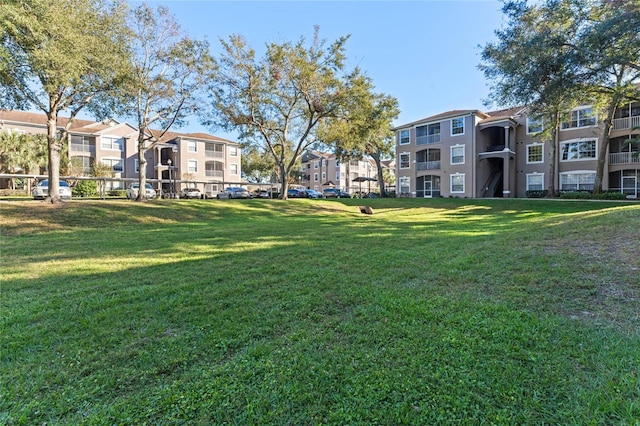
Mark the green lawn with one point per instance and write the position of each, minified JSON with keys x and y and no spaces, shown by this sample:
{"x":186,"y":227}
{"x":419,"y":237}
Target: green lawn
{"x":249,"y":312}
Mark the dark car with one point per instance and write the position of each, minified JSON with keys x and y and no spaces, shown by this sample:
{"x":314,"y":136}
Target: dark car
{"x":335,"y":193}
{"x":234,"y":192}
{"x":311,"y":193}
{"x":297,"y":193}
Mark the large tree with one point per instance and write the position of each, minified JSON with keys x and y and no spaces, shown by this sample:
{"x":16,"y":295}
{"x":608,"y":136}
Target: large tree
{"x":276,"y":101}
{"x":169,"y":70}
{"x":365,"y":128}
{"x":554,"y":54}
{"x":59,"y":56}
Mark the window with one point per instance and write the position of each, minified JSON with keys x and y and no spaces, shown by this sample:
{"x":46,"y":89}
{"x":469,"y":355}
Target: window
{"x":457,"y":126}
{"x":315,"y":164}
{"x":535,"y":153}
{"x":324,"y":162}
{"x":83,"y":162}
{"x":577,"y":181}
{"x":214,"y":150}
{"x":405,"y":185}
{"x":405,"y":160}
{"x":582,"y":117}
{"x":315,"y":177}
{"x":192,"y":146}
{"x":457,"y":182}
{"x":233,"y":151}
{"x":136,"y":165}
{"x":324,"y":175}
{"x":457,"y":154}
{"x":114,"y":163}
{"x":192,"y":166}
{"x":578,"y":150}
{"x":337,"y":175}
{"x":80,"y":144}
{"x":233,"y":169}
{"x":111,"y":144}
{"x":428,"y":134}
{"x":535,"y":182}
{"x":534,"y":125}
{"x":404,"y":137}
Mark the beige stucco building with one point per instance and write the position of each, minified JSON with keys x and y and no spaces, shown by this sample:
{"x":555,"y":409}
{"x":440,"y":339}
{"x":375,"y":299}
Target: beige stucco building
{"x":475,"y":154}
{"x":175,"y":161}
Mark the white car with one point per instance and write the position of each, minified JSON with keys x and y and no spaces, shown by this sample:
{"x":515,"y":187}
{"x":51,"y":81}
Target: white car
{"x":41,"y":190}
{"x":132,"y":191}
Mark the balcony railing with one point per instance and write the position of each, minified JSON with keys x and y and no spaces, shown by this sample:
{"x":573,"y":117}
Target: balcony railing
{"x":214,"y":154}
{"x":626,"y":123}
{"x":214,"y":173}
{"x":427,"y":139}
{"x":428,"y":165}
{"x":624,"y":157}
{"x":79,"y":147}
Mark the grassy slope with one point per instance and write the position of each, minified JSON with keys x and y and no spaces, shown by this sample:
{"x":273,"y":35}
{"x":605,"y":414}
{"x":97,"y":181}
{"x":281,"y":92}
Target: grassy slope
{"x":303,"y":312}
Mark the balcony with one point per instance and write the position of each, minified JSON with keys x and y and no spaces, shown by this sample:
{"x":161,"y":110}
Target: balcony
{"x":428,"y":139}
{"x":626,"y":123}
{"x":428,"y":165}
{"x":624,"y":158}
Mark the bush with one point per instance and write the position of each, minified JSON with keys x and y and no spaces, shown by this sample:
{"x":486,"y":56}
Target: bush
{"x":610,"y":195}
{"x":117,"y":193}
{"x":537,"y":193}
{"x":85,"y":188}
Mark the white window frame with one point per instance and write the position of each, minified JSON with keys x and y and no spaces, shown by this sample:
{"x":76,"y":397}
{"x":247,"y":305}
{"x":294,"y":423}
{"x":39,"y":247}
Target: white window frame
{"x":406,"y":138}
{"x":452,"y":127}
{"x":404,"y":182}
{"x":192,"y":146}
{"x":535,"y":144}
{"x":192,"y":166}
{"x":456,"y":147}
{"x":578,"y":141}
{"x":451,"y":182}
{"x":581,"y":173}
{"x":566,"y":125}
{"x":534,"y":122}
{"x":109,"y":146}
{"x":136,"y":165}
{"x":408,"y":154}
{"x":315,"y":177}
{"x":111,"y":161}
{"x":316,"y":165}
{"x":337,"y":175}
{"x":535,"y":175}
{"x":233,"y":168}
{"x":233,"y":151}
{"x":324,"y":175}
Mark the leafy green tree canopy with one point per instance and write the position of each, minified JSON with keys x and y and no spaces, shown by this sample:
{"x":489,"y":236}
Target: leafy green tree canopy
{"x":59,"y":56}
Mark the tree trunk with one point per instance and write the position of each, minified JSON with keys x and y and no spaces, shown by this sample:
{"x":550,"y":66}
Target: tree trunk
{"x":604,"y":145}
{"x":376,"y":158}
{"x":553,"y":161}
{"x":142,"y":168}
{"x":284,"y":178}
{"x":54,"y":149}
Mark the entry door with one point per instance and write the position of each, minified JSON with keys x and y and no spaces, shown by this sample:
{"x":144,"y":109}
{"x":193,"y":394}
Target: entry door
{"x":427,"y":188}
{"x":630,"y":186}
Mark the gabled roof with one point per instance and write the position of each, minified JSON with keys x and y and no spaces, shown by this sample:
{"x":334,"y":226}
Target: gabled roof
{"x":170,"y":136}
{"x":39,"y":119}
{"x":442,"y":116}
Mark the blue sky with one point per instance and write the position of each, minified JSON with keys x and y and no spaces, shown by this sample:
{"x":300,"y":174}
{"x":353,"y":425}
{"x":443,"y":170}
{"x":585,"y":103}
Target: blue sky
{"x":424,"y":53}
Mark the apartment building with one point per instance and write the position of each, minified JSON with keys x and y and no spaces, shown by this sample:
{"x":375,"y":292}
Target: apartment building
{"x":176,"y":160}
{"x":475,"y":154}
{"x":321,"y":170}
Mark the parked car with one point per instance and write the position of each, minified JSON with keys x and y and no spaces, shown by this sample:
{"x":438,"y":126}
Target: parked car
{"x":312,"y":193}
{"x":335,"y":193}
{"x":191,"y":193}
{"x":234,"y":192}
{"x":41,"y":190}
{"x":296,"y":193}
{"x":132,"y":191}
{"x":262,"y":193}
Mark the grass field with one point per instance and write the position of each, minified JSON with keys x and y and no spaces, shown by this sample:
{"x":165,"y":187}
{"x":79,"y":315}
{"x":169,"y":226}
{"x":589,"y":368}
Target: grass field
{"x":250,"y":312}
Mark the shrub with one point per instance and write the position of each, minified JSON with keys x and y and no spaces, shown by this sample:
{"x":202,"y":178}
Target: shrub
{"x":537,"y":193}
{"x":85,"y":188}
{"x":576,"y":195}
{"x":117,"y":193}
{"x":610,"y":195}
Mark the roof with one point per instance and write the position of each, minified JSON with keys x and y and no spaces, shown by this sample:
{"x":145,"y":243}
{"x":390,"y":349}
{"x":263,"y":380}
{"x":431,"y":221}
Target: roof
{"x":448,"y":114}
{"x":93,"y":127}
